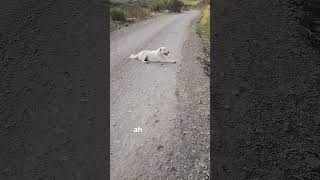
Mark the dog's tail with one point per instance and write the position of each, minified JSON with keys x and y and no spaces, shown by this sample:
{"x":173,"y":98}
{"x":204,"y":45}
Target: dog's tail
{"x":133,"y":56}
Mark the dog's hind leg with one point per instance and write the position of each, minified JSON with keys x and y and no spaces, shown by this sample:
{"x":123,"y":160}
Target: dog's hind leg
{"x":144,"y":58}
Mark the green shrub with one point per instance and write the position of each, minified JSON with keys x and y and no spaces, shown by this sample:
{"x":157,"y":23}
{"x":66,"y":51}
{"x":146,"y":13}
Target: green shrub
{"x":175,"y":5}
{"x":117,"y":14}
{"x":172,"y":5}
{"x":135,"y":11}
{"x":158,"y":5}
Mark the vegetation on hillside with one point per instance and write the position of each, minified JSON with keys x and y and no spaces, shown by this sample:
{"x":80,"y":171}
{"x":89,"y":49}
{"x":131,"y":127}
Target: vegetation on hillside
{"x":131,"y":10}
{"x":121,"y":10}
{"x":117,"y":14}
{"x":172,"y":5}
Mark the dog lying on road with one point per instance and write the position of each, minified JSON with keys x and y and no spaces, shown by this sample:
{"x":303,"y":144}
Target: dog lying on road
{"x":146,"y":56}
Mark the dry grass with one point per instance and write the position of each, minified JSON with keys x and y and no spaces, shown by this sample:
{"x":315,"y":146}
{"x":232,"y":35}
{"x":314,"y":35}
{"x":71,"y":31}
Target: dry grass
{"x":191,"y":2}
{"x":205,"y":19}
{"x":134,"y":11}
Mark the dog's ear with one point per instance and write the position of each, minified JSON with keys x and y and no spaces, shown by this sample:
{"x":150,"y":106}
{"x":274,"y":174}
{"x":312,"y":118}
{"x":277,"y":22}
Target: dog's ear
{"x":164,"y":49}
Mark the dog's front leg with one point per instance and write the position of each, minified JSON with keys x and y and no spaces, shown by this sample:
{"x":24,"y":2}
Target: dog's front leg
{"x":167,"y":60}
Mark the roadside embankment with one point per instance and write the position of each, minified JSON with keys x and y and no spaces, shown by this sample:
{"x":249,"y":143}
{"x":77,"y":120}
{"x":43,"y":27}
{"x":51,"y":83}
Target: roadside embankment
{"x":203,"y":30}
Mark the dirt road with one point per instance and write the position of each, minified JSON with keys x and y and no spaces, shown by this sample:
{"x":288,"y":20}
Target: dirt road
{"x":156,"y":97}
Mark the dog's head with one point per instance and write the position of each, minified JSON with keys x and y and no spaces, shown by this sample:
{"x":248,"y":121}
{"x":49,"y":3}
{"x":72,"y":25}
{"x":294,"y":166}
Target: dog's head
{"x":163,"y":50}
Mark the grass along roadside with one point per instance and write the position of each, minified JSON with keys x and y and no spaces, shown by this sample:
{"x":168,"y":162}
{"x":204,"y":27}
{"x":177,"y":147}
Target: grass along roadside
{"x":205,"y":20}
{"x":203,"y":30}
{"x":204,"y":57}
{"x":124,"y":12}
{"x":204,"y":7}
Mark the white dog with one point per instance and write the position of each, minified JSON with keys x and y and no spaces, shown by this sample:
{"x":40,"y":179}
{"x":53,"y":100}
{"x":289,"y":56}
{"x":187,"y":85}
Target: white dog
{"x":146,"y":55}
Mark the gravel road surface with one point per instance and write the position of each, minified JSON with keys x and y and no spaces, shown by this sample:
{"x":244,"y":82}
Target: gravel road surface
{"x":265,"y":95}
{"x":155,"y":97}
{"x":53,"y":90}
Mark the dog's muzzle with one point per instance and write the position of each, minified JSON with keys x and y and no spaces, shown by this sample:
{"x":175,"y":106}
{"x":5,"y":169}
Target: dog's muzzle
{"x":166,"y":53}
